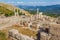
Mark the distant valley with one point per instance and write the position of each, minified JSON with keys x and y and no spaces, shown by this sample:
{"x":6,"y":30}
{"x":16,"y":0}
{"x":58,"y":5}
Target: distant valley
{"x":52,"y":10}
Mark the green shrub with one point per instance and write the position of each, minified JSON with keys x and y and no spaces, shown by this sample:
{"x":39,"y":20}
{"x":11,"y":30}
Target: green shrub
{"x":9,"y":14}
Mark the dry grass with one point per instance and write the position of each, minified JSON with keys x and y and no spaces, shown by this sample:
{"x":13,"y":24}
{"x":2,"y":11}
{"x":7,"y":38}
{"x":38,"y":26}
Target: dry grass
{"x":25,"y":31}
{"x":3,"y":35}
{"x":21,"y":30}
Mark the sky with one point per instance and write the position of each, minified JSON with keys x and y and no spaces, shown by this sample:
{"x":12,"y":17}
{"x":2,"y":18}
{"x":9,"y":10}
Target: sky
{"x":32,"y":2}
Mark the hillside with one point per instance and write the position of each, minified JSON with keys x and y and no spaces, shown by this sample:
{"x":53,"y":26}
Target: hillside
{"x":9,"y":9}
{"x":28,"y":26}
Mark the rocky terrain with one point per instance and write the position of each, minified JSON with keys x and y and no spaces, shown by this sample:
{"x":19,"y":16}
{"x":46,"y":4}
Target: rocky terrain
{"x":29,"y":24}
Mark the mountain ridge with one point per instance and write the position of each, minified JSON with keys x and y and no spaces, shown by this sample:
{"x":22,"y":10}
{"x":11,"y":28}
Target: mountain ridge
{"x":51,"y":9}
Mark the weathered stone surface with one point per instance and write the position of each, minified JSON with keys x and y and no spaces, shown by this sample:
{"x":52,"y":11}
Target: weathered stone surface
{"x":17,"y":36}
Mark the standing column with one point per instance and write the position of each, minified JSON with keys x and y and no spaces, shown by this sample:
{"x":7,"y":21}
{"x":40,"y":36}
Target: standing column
{"x":17,"y":13}
{"x":14,"y":12}
{"x":37,"y":13}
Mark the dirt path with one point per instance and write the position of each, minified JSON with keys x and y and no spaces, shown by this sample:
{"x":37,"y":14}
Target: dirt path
{"x":7,"y":22}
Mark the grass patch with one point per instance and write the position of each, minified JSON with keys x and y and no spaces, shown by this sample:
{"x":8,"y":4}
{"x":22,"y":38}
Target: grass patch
{"x":2,"y":36}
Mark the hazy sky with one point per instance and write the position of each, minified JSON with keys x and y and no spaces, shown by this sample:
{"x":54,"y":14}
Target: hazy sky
{"x":32,"y":2}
